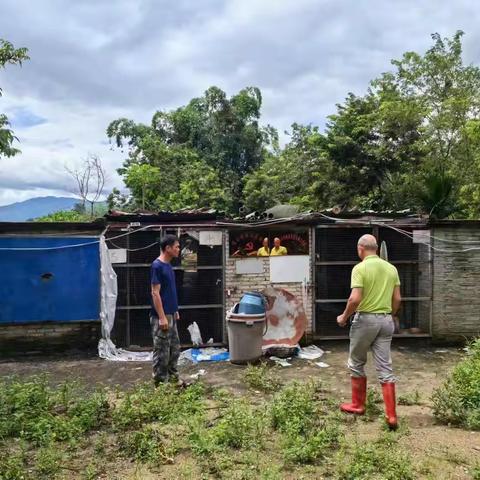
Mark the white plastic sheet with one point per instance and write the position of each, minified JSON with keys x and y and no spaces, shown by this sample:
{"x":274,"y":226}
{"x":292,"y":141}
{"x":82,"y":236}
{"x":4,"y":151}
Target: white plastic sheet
{"x":108,"y":302}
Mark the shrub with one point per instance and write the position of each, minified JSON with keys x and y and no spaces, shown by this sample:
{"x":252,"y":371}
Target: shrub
{"x":457,"y":401}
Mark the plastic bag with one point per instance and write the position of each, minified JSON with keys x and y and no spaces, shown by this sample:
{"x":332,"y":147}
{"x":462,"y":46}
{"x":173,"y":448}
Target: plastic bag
{"x":195,"y":334}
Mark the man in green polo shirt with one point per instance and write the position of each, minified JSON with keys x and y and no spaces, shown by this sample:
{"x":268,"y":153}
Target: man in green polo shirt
{"x":374,"y":299}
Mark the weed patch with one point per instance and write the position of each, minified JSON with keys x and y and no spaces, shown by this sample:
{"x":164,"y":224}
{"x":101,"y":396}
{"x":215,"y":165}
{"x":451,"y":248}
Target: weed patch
{"x":261,"y":378}
{"x":308,"y":431}
{"x":149,"y":445}
{"x":457,"y":401}
{"x":164,"y":404}
{"x":48,"y":462}
{"x":476,"y":472}
{"x":372,"y":406}
{"x":379,"y":460}
{"x":409,"y":399}
{"x":240,"y":426}
{"x":13,"y":466}
{"x":39,"y":413}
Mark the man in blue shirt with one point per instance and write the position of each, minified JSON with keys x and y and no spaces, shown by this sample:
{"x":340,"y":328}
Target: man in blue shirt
{"x":164,"y":313}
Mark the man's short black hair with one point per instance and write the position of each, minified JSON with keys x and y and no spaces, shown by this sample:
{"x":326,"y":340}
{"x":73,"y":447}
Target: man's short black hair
{"x":168,"y":241}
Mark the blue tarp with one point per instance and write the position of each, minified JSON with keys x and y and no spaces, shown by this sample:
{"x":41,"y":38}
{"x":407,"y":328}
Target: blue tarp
{"x":58,"y":285}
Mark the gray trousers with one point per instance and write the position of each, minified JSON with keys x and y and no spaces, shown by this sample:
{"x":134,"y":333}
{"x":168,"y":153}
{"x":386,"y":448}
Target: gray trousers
{"x":166,"y":350}
{"x":371,"y":331}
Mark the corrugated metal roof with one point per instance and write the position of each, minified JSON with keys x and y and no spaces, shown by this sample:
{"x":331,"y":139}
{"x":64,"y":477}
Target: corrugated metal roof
{"x":184,"y":215}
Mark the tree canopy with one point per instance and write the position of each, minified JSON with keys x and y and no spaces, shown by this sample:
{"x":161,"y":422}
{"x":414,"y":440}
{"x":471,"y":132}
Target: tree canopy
{"x":412,"y":141}
{"x":9,"y":55}
{"x":196,"y":154}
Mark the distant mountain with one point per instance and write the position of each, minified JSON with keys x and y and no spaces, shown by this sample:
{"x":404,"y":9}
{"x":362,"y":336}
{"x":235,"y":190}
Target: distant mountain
{"x":35,"y":207}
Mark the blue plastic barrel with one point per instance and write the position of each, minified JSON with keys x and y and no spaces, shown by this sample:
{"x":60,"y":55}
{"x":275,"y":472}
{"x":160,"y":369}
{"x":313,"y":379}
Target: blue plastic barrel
{"x":252,"y":303}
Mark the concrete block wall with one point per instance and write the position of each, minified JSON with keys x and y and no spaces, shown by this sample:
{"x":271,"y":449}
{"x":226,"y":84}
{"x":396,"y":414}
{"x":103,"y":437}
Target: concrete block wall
{"x":424,"y":287}
{"x":48,"y":337}
{"x":456,"y":281}
{"x":237,"y":285}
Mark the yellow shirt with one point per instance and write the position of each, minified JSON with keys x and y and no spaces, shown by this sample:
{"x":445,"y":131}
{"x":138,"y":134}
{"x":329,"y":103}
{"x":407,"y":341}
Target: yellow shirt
{"x":278,"y":251}
{"x":377,"y":278}
{"x":263,"y":252}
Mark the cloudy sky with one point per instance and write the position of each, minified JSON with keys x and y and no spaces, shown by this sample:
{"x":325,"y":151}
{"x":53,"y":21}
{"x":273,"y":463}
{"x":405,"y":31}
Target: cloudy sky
{"x":93,"y":61}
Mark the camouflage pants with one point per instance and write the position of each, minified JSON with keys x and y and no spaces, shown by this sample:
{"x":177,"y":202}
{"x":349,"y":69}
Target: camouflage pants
{"x":166,"y":350}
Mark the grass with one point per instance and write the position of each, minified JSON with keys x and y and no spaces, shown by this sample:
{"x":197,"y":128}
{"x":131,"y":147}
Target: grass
{"x":457,"y":401}
{"x":382,"y":459}
{"x":35,"y":412}
{"x":410,"y":399}
{"x":294,"y":431}
{"x":308,"y":428}
{"x":261,"y":378}
{"x":373,"y":408}
{"x":150,"y":445}
{"x":476,"y":472}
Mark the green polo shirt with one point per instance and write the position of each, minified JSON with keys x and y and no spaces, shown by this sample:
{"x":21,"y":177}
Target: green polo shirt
{"x":377,"y":278}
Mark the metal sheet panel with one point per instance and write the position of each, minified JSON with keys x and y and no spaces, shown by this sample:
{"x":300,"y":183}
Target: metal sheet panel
{"x":58,"y":285}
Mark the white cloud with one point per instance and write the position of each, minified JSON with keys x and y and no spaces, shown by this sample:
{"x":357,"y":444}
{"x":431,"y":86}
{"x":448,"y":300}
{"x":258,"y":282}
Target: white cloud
{"x":92,"y":62}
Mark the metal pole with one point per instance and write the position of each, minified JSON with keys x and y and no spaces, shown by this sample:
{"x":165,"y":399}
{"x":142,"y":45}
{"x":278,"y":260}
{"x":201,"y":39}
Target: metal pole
{"x":127,"y":333}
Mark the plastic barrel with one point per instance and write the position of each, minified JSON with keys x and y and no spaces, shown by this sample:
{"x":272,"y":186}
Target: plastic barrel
{"x":252,"y":303}
{"x":245,"y":334}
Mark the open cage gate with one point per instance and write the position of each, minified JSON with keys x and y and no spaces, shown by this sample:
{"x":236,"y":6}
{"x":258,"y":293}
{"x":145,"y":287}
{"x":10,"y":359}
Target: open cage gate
{"x":335,"y":255}
{"x":199,"y":275}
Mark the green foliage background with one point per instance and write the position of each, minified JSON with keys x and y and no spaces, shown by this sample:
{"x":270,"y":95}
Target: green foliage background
{"x":412,"y":141}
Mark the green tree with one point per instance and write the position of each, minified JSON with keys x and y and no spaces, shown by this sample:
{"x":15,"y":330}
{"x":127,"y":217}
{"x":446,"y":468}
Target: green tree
{"x":294,"y":175}
{"x":469,"y":191}
{"x":222,"y":132}
{"x":145,"y":183}
{"x":64,"y":216}
{"x":410,"y":142}
{"x":9,"y":55}
{"x":445,"y":94}
{"x":201,"y":187}
{"x":116,"y":200}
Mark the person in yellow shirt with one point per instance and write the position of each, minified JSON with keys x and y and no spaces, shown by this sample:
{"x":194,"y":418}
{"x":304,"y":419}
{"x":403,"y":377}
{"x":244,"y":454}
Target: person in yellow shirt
{"x":278,"y":250}
{"x":265,"y":250}
{"x":375,"y":299}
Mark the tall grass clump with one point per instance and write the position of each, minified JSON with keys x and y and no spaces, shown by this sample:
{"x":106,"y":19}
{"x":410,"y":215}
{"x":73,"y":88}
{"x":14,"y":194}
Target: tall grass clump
{"x":457,"y":401}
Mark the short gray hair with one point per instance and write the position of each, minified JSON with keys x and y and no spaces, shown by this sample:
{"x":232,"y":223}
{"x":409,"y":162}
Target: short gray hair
{"x":368,"y":241}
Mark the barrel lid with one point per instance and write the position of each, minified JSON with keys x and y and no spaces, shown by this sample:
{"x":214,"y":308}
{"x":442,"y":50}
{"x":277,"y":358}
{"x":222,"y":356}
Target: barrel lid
{"x":246,"y":320}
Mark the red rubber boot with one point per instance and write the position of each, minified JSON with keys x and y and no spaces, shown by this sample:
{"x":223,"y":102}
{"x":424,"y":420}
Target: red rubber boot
{"x":359,"y":397}
{"x":388,"y":390}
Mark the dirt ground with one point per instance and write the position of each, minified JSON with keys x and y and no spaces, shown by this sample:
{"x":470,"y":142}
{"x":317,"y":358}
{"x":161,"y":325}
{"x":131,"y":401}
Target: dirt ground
{"x":450,"y":452}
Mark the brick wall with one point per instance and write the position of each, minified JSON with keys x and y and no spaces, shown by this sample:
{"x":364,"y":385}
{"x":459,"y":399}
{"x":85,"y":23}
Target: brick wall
{"x":48,"y":337}
{"x":239,"y":284}
{"x":456,"y":280}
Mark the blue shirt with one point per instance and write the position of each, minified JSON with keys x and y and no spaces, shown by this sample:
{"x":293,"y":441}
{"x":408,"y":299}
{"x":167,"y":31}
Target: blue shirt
{"x":162,"y":274}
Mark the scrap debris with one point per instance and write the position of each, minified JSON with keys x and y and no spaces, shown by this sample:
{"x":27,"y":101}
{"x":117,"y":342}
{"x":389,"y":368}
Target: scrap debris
{"x":311,"y":352}
{"x":281,"y":361}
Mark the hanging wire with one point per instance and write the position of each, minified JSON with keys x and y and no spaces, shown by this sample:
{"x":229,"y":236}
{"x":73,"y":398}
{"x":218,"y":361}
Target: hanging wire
{"x":62,"y":247}
{"x":403,"y":232}
{"x":266,"y":223}
{"x":133,"y":249}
